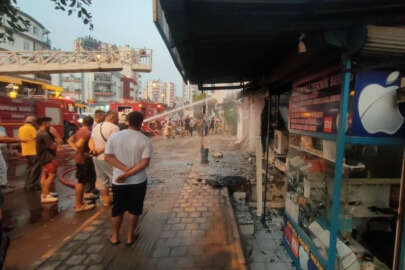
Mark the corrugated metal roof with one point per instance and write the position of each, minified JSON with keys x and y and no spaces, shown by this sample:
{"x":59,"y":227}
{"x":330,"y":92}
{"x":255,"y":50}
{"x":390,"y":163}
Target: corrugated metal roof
{"x":221,"y":41}
{"x":384,"y":40}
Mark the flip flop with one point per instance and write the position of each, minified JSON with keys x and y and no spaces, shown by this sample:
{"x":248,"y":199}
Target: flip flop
{"x":134,"y":238}
{"x":113,"y":243}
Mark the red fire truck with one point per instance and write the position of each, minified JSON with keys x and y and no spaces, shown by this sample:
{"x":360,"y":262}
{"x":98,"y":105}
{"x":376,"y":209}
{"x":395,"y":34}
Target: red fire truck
{"x":20,"y":97}
{"x":148,"y":109}
{"x":13,"y":111}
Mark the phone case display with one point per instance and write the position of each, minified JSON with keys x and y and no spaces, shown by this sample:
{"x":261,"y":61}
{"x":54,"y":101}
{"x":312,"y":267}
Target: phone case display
{"x":309,"y":200}
{"x":307,"y":190}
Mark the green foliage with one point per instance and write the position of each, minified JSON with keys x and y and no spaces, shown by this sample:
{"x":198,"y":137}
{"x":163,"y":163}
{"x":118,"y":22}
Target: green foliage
{"x":16,"y":23}
{"x":230,"y":114}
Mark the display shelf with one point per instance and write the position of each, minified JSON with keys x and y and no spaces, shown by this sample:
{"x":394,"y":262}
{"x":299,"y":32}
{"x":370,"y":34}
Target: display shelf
{"x":319,"y":135}
{"x":328,"y":159}
{"x":363,"y":211}
{"x":352,"y":139}
{"x":374,"y":140}
{"x":307,"y":240}
{"x":373,"y":181}
{"x":359,"y":250}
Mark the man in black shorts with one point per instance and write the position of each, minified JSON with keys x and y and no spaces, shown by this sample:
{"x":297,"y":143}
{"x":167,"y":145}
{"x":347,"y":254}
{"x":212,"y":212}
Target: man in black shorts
{"x":85,"y":172}
{"x":129,"y":152}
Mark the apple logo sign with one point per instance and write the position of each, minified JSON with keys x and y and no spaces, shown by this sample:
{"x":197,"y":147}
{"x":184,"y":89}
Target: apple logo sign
{"x":378,"y":108}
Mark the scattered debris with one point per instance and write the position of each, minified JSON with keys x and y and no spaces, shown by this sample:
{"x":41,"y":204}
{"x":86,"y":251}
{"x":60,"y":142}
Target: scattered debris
{"x":232,"y":182}
{"x":217,"y":155}
{"x":240,"y":196}
{"x":243,"y":215}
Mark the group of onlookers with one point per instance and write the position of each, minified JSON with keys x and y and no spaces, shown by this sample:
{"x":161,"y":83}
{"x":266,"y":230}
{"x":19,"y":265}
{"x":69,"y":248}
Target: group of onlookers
{"x":186,"y":127}
{"x":39,"y":144}
{"x":105,"y":157}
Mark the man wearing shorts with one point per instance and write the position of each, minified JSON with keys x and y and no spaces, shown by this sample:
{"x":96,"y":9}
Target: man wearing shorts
{"x":46,"y":150}
{"x":27,"y":133}
{"x":129,"y":152}
{"x":99,"y":136}
{"x":85,"y":173}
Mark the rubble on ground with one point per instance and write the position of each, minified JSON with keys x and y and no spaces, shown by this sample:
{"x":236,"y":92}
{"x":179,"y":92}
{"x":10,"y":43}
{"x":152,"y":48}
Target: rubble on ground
{"x":217,"y":155}
{"x":232,"y":182}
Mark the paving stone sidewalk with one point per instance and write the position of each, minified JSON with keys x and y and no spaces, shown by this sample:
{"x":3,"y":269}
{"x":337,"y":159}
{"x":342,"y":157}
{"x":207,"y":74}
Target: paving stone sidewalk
{"x":184,"y":226}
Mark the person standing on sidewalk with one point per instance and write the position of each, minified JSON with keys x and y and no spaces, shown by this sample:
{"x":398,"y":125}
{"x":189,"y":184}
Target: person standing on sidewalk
{"x":129,"y":152}
{"x":99,"y":116}
{"x":46,"y":149}
{"x":99,"y":136}
{"x":90,"y":191}
{"x":3,"y":165}
{"x":27,"y":133}
{"x":4,"y":239}
{"x":85,"y":173}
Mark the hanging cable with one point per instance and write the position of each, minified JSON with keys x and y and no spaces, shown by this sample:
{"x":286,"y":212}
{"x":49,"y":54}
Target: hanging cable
{"x":267,"y":160}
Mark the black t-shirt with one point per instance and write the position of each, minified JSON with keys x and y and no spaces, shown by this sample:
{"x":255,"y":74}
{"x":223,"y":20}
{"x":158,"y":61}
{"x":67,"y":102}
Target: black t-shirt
{"x":44,"y":152}
{"x":187,"y":122}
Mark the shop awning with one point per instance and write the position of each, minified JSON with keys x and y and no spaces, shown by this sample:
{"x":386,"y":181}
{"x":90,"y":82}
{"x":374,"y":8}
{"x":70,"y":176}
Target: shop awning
{"x":225,"y":41}
{"x":384,"y":40}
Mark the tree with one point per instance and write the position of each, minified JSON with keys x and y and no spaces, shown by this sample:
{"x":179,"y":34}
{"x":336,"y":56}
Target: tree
{"x":15,"y":22}
{"x":230,"y":113}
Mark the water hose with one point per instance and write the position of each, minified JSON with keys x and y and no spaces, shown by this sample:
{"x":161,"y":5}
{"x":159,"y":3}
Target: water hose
{"x":64,"y":181}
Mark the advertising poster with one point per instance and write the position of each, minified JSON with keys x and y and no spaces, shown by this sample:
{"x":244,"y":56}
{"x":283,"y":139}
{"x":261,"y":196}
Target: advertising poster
{"x":315,"y":104}
{"x":299,"y":249}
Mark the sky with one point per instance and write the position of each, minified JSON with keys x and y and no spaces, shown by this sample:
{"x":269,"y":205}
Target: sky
{"x":120,"y":22}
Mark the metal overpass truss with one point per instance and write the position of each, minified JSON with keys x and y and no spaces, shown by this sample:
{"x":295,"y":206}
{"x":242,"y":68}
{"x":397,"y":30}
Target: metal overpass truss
{"x":126,"y":59}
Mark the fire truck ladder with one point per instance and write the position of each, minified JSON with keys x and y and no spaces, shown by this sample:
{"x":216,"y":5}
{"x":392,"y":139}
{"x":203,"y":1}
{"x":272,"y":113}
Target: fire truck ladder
{"x":124,"y":58}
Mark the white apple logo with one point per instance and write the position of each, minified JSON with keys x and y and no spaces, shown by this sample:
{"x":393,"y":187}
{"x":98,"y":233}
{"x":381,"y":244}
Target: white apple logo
{"x":378,"y":108}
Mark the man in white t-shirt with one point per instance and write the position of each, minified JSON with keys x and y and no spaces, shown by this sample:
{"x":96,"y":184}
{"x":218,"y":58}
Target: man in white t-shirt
{"x":129,"y":152}
{"x":99,"y":137}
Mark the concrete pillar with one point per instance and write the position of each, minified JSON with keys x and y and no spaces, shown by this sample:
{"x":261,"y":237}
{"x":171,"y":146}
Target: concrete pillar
{"x":256,"y":105}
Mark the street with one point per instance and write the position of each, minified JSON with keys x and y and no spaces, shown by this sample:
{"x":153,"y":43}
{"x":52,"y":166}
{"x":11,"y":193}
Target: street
{"x":184,"y":226}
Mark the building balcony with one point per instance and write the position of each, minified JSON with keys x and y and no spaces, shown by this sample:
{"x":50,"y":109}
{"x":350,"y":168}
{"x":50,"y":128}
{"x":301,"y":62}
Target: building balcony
{"x":102,"y":82}
{"x":104,"y":93}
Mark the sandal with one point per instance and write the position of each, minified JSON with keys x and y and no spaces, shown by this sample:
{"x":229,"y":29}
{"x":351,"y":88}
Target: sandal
{"x":134,"y":238}
{"x":84,"y":207}
{"x":113,"y":243}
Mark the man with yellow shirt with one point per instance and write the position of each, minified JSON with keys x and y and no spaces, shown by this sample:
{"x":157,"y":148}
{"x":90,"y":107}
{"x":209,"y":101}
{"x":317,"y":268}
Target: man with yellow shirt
{"x":28,"y":133}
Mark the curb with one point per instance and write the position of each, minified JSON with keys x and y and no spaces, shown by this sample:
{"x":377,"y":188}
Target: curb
{"x":52,"y":252}
{"x":235,"y":228}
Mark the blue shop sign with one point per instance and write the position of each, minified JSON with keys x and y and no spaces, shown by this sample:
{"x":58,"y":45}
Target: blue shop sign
{"x":376,"y":112}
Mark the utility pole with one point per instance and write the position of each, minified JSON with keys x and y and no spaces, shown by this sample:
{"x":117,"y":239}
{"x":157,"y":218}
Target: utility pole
{"x":204,"y":151}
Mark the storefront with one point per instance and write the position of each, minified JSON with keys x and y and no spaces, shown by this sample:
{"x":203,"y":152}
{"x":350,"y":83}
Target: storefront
{"x":343,"y":206}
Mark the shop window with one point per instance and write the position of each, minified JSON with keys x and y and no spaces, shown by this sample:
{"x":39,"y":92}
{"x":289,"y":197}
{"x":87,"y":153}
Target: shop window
{"x":35,"y":30}
{"x":26,"y":45}
{"x":71,"y":107}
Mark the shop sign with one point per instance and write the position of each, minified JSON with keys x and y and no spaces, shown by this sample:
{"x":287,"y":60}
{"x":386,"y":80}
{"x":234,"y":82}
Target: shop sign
{"x":300,"y":249}
{"x":373,"y":110}
{"x":314,"y":105}
{"x":377,"y":112}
